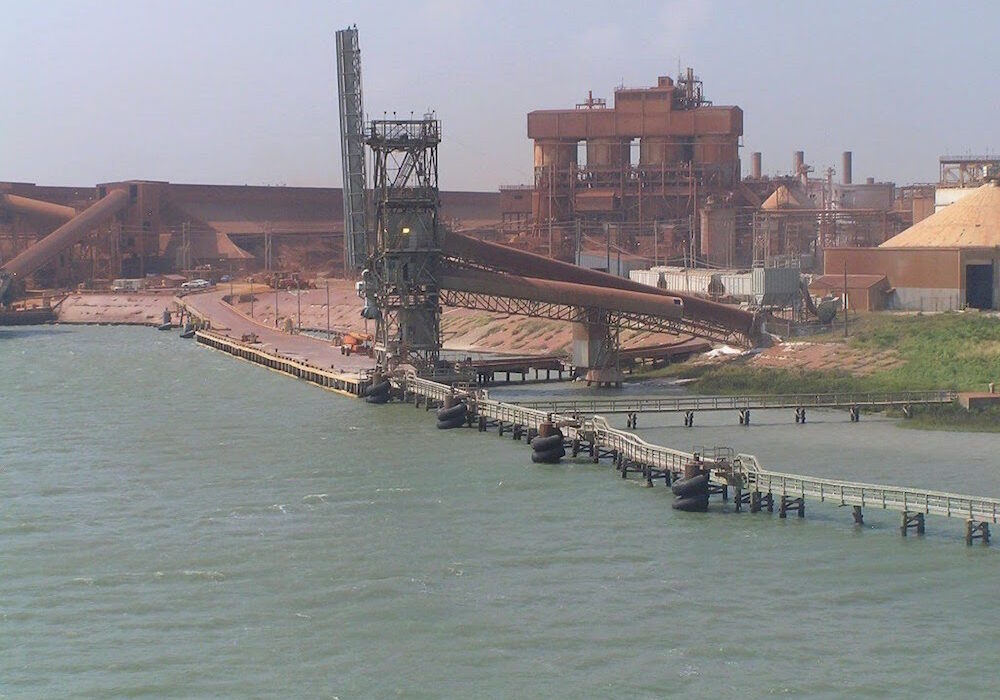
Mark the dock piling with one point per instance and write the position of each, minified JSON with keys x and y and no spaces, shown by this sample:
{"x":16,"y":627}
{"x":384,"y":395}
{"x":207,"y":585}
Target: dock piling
{"x":977,"y":530}
{"x":912,"y":520}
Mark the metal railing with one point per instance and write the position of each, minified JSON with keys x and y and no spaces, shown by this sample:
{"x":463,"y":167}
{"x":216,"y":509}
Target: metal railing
{"x":741,"y":470}
{"x":853,"y":493}
{"x":721,"y":403}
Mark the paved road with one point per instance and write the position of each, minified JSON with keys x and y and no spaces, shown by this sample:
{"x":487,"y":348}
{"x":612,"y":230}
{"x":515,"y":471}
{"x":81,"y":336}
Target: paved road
{"x":228,"y":321}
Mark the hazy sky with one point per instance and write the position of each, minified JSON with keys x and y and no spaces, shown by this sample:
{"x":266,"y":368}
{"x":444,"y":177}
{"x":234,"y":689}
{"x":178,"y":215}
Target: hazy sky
{"x":245,"y":92}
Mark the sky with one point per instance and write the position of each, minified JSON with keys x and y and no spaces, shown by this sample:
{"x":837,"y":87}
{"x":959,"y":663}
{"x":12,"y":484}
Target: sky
{"x":245,"y":92}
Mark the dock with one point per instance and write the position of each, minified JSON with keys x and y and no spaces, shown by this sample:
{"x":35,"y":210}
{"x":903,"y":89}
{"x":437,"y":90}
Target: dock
{"x":353,"y":384}
{"x":587,"y":435}
{"x":689,"y":405}
{"x":741,"y":476}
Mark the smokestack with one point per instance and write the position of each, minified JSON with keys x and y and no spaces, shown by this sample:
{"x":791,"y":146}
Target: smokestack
{"x":755,"y":165}
{"x":846,"y":168}
{"x":798,"y":162}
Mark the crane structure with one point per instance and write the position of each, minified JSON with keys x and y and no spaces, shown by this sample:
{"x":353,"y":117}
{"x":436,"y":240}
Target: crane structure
{"x":352,"y":149}
{"x":403,"y":272}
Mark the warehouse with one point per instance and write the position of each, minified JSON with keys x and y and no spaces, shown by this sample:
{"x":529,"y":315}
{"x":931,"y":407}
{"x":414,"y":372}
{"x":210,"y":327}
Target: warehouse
{"x":948,"y":261}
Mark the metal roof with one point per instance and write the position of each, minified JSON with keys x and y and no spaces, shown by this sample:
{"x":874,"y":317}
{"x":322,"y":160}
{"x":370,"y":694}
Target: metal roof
{"x":971,"y":222}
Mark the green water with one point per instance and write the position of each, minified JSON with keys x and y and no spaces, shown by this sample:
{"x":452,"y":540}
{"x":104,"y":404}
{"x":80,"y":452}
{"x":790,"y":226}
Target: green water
{"x":176,"y":523}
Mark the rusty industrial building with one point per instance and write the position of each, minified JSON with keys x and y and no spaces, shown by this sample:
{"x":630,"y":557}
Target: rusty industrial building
{"x":164,"y":227}
{"x":948,"y":261}
{"x":656,"y":178}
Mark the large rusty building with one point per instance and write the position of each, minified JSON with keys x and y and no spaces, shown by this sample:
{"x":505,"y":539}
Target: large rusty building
{"x":643,"y":166}
{"x":167,"y":227}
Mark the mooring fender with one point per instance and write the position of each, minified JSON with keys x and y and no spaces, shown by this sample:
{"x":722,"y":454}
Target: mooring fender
{"x":382,"y":387}
{"x":378,"y":398}
{"x":449,"y":424}
{"x":550,"y":456}
{"x":455,"y":412}
{"x":544,"y":444}
{"x":690,"y":487}
{"x":691,"y":504}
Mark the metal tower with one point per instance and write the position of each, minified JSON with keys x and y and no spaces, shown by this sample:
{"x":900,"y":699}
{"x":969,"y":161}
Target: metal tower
{"x":404,"y":270}
{"x":352,"y":149}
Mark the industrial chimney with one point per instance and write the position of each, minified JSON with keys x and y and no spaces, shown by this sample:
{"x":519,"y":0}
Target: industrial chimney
{"x":798,"y":162}
{"x":846,"y":168}
{"x":755,"y":165}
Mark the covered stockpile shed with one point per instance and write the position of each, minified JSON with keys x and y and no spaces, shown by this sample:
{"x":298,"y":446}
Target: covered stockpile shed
{"x":950,"y":260}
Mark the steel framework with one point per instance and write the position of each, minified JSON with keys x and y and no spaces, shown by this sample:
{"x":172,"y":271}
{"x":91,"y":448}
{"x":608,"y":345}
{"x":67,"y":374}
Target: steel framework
{"x":572,"y":313}
{"x":352,"y":149}
{"x":404,"y":267}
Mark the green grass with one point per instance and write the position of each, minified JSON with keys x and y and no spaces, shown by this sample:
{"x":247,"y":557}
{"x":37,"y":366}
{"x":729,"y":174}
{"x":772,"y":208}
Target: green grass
{"x":941,"y":351}
{"x":954,"y":418}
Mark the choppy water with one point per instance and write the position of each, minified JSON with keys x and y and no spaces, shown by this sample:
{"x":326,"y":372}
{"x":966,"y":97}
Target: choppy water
{"x":176,"y":523}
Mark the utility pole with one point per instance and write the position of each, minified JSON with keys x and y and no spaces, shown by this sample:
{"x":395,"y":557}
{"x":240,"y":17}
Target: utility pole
{"x":328,"y":309}
{"x":845,"y":298}
{"x":298,"y":303}
{"x":275,"y":304}
{"x":656,"y":236}
{"x":251,"y":297}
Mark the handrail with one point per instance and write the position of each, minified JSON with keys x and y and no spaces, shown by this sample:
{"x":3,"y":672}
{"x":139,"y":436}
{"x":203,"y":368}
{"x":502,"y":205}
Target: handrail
{"x":648,"y":404}
{"x":742,"y":470}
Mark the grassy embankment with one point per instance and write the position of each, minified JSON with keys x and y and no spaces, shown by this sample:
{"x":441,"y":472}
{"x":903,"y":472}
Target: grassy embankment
{"x":941,"y":351}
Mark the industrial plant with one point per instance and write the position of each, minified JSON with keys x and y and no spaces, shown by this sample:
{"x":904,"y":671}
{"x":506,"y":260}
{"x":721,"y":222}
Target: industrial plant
{"x":647,"y":188}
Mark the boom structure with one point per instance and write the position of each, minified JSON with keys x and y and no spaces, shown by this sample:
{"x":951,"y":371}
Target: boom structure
{"x":352,"y":149}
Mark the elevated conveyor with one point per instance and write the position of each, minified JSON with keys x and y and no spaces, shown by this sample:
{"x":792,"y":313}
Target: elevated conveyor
{"x":699,"y":317}
{"x":64,"y":237}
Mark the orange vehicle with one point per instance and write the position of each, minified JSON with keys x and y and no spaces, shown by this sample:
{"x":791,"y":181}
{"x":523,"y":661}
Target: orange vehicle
{"x":355,"y":342}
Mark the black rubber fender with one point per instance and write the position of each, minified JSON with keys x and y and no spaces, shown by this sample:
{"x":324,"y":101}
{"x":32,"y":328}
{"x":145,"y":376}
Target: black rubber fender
{"x":378,"y":398}
{"x":550,"y":456}
{"x":449,"y":424}
{"x":457,"y":411}
{"x":383,"y":387}
{"x":690,"y":487}
{"x":691,"y":504}
{"x":544,"y":444}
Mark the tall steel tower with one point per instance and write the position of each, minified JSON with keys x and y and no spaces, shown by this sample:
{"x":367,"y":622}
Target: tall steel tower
{"x":404,"y":269}
{"x":352,"y":149}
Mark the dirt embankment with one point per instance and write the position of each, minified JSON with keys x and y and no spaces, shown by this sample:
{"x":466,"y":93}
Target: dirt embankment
{"x":462,"y":329}
{"x":833,"y":355}
{"x":116,"y":307}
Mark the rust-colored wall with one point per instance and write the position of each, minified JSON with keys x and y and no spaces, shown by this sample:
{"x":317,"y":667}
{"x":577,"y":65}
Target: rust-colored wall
{"x":931,"y":268}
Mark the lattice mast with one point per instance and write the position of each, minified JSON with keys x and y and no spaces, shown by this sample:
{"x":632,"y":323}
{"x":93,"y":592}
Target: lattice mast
{"x":407,"y":254}
{"x":352,"y":150}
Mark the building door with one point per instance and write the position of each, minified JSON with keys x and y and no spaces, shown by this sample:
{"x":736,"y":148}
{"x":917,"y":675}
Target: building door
{"x":979,"y":286}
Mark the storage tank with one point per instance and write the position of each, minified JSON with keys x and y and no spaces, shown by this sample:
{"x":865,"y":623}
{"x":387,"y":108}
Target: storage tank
{"x":718,"y":233}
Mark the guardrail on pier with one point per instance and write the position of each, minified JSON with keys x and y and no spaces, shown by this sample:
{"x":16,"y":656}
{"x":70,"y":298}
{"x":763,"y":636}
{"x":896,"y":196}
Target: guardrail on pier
{"x":677,"y":404}
{"x":743,"y":472}
{"x":852,"y":493}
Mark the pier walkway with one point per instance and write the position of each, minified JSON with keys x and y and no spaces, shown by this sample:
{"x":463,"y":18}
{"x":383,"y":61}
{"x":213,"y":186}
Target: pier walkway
{"x":683,"y":404}
{"x":297,"y":355}
{"x":751,"y":484}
